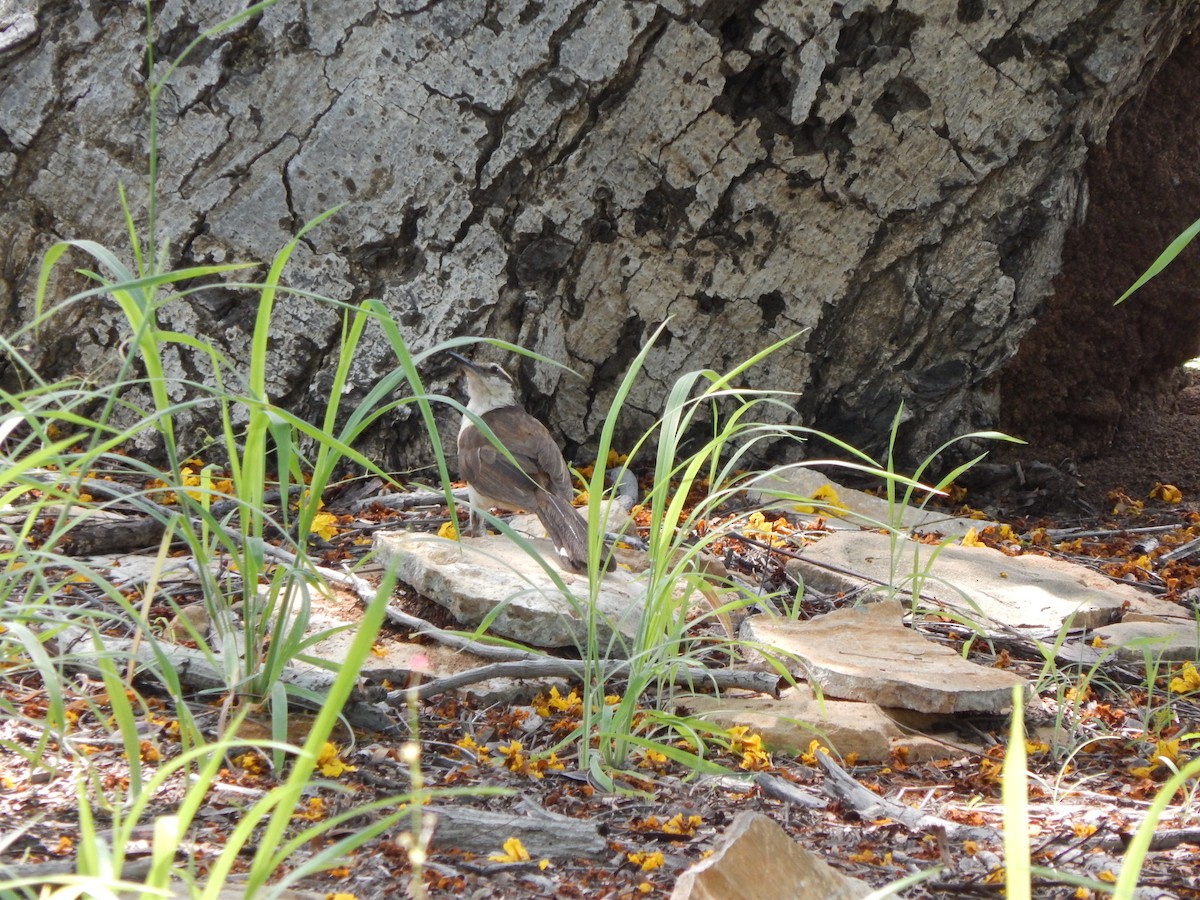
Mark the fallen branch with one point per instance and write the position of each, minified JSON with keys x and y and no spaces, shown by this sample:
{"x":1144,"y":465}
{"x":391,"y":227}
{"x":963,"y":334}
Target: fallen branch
{"x":1162,"y":839}
{"x":543,"y":834}
{"x":512,"y":663}
{"x":408,"y":500}
{"x":31,"y":873}
{"x":194,"y":669}
{"x":779,"y":789}
{"x":1183,"y":550}
{"x":549,"y":667}
{"x":1063,"y":534}
{"x":842,"y":787}
{"x":452,"y":639}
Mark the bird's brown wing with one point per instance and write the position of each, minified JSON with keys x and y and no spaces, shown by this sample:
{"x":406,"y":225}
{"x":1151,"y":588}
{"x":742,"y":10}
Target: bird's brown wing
{"x":542,"y":484}
{"x":531,"y":446}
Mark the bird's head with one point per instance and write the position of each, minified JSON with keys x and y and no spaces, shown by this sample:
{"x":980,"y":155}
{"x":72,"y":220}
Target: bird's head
{"x":489,"y":385}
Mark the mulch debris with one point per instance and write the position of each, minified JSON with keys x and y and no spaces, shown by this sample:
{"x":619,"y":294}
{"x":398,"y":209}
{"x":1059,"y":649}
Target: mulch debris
{"x":1097,"y":742}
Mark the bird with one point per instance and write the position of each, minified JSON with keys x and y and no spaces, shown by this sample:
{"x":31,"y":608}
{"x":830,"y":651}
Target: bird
{"x":539,"y":482}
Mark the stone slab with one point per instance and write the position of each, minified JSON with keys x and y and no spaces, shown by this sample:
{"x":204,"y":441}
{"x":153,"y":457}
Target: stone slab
{"x":867,"y":654}
{"x":1149,"y":608}
{"x":788,"y":725}
{"x":1033,"y":593}
{"x":1135,"y":641}
{"x":492,"y":579}
{"x":755,"y":859}
{"x":860,"y":509}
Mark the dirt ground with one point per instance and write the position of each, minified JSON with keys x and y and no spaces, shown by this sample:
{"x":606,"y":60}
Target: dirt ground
{"x":1154,"y":444}
{"x":663,"y":818}
{"x":1163,"y":446}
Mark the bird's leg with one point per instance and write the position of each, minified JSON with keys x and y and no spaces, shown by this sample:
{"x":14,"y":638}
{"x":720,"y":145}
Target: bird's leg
{"x":476,"y":527}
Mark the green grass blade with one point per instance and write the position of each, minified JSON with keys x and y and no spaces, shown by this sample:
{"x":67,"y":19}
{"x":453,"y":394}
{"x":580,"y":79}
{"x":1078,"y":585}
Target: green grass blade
{"x":1015,"y":797}
{"x":1173,"y":250}
{"x":1135,"y":854}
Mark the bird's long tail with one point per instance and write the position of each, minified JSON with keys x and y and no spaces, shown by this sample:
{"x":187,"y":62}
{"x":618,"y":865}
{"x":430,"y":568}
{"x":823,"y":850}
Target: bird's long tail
{"x":567,"y":530}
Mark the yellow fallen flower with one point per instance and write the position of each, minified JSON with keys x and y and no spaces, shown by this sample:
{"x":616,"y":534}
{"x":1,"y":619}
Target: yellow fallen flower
{"x":514,"y":851}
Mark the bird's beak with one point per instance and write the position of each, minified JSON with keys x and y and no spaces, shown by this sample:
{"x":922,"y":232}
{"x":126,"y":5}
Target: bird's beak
{"x":462,"y":361}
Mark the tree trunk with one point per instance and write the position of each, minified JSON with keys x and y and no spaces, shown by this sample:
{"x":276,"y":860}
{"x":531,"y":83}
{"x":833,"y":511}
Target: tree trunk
{"x":895,"y":180}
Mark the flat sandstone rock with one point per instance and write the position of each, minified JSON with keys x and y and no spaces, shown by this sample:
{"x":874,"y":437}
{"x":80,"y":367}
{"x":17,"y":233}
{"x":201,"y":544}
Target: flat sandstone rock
{"x":867,"y":654}
{"x":756,"y":860}
{"x":479,"y":578}
{"x":789,"y":487}
{"x":1135,"y":641}
{"x":848,"y":728}
{"x":1027,"y":592}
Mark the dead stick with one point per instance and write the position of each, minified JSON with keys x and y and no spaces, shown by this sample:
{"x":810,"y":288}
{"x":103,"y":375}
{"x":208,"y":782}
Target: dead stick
{"x":408,"y":500}
{"x":783,"y":790}
{"x":548,"y":667}
{"x":721,"y":679}
{"x":840,"y":785}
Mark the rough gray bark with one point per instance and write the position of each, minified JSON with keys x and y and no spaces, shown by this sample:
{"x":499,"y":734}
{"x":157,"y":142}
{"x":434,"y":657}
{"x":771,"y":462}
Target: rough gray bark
{"x":896,"y":178}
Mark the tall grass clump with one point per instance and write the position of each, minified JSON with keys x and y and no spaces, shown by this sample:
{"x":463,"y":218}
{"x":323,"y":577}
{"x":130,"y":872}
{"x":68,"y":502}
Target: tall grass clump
{"x":62,"y":441}
{"x":245,"y":532}
{"x":255,"y":573}
{"x":702,"y":445}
